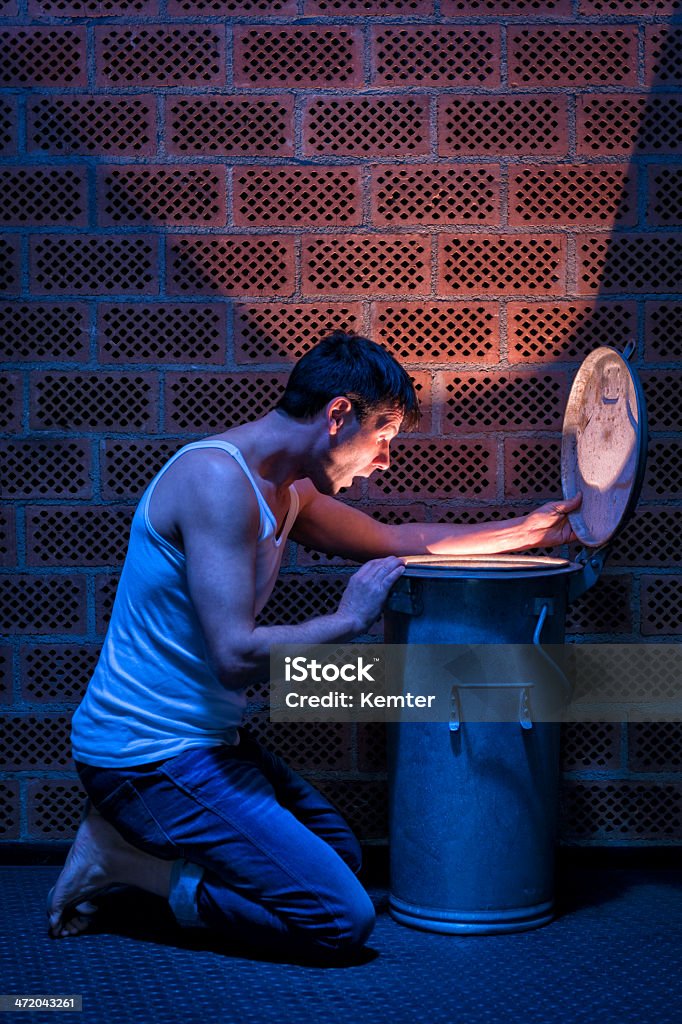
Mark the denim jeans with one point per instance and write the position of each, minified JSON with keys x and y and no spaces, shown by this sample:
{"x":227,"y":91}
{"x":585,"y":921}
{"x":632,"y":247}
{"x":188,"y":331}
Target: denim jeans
{"x":260,"y":855}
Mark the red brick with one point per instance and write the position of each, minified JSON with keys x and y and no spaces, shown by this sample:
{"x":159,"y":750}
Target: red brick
{"x":502,"y":264}
{"x":545,"y":332}
{"x":652,"y":537}
{"x":49,"y":468}
{"x":8,"y":537}
{"x":91,"y":8}
{"x":422,"y":380}
{"x":45,"y":331}
{"x":661,"y":601}
{"x":572,"y":56}
{"x":662,"y":390}
{"x":55,"y":808}
{"x":571,"y":194}
{"x":628,"y":263}
{"x":372,"y":752}
{"x":35,"y":56}
{"x":232,"y":8}
{"x":206,"y":402}
{"x":283,"y":333}
{"x":305,"y":196}
{"x":128,"y":466}
{"x":505,"y":8}
{"x":42,"y":195}
{"x":37,"y":742}
{"x":613,"y":124}
{"x":160,"y":55}
{"x":9,"y":9}
{"x":8,"y":126}
{"x":368,"y":8}
{"x":434,"y":468}
{"x":663,"y":52}
{"x":358,"y":264}
{"x":664,"y":200}
{"x":505,"y":125}
{"x":302,"y":57}
{"x":118,"y":125}
{"x":620,"y":811}
{"x":10,"y":255}
{"x":94,"y":264}
{"x":151,"y":195}
{"x":37,"y":604}
{"x":10,"y":818}
{"x":436,"y":55}
{"x":230,"y":125}
{"x":616,"y":7}
{"x":604,"y":609}
{"x":532,"y":468}
{"x":482,"y":402}
{"x":103,"y":400}
{"x":106,"y":585}
{"x":663,"y":330}
{"x":440,"y":331}
{"x":436,"y":194}
{"x":77,"y":536}
{"x":663,"y":479}
{"x":56,"y":672}
{"x":591,"y":746}
{"x":655,"y":746}
{"x":11,"y":401}
{"x":230,"y":265}
{"x":161,"y":332}
{"x":6,"y":681}
{"x":389,"y":126}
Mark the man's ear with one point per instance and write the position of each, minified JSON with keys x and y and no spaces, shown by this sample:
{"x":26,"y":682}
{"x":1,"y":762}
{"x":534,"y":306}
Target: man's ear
{"x":338,"y":412}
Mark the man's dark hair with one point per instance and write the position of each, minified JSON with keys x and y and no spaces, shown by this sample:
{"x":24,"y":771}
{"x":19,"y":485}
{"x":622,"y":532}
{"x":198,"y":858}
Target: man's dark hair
{"x":346,"y":364}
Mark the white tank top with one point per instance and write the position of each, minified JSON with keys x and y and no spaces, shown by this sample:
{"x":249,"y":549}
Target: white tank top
{"x":153,"y":694}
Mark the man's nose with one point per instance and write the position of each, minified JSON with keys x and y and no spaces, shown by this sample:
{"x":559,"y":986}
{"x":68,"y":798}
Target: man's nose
{"x":383,"y":459}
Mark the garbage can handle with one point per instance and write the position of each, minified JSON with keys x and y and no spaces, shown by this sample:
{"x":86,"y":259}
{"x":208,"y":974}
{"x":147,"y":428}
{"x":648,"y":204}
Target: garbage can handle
{"x":565,"y":681}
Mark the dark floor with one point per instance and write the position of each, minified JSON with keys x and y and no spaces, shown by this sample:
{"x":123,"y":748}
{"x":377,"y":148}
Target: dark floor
{"x":614,"y":953}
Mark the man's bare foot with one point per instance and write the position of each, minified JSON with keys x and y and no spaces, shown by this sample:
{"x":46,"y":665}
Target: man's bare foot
{"x":100,"y":857}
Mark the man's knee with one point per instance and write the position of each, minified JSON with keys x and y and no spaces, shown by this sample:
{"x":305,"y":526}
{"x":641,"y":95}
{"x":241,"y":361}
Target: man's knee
{"x":353,"y":925}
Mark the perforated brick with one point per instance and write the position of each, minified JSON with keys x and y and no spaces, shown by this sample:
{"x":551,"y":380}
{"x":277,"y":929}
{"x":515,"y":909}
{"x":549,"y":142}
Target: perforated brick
{"x":305,"y":746}
{"x":36,"y":741}
{"x":663,"y":479}
{"x":105,"y":592}
{"x":42,"y":331}
{"x":90,"y":8}
{"x":8,"y":8}
{"x":465,"y":194}
{"x":507,"y":8}
{"x":655,"y":746}
{"x":161,"y":332}
{"x":430,"y":468}
{"x":128,"y":466}
{"x":92,"y":124}
{"x":90,"y":535}
{"x":8,"y":536}
{"x":532,"y":468}
{"x":661,"y":598}
{"x":561,"y":56}
{"x":663,"y":330}
{"x":515,"y":125}
{"x":616,"y":124}
{"x":502,"y":401}
{"x":590,"y":745}
{"x":603,"y":609}
{"x":364,"y":805}
{"x":299,"y":598}
{"x":11,"y":395}
{"x":43,"y":604}
{"x":278,"y":334}
{"x":549,"y":332}
{"x":357,"y":263}
{"x":34,"y":195}
{"x":10,"y":814}
{"x":621,"y":810}
{"x":368,"y":7}
{"x":574,"y":194}
{"x":160,"y":55}
{"x":652,"y":537}
{"x":662,"y":390}
{"x":94,"y":265}
{"x":227,"y":8}
{"x":230,"y":125}
{"x":55,"y":808}
{"x":93,"y":401}
{"x":372,"y":752}
{"x":502,"y":264}
{"x":42,"y":56}
{"x":161,"y":195}
{"x":663,"y":49}
{"x":437,"y":56}
{"x":665,"y":196}
{"x":230,"y":265}
{"x":292,"y":196}
{"x":6,"y":673}
{"x":629,"y":263}
{"x":8,"y":126}
{"x":9,"y":265}
{"x":304,"y":57}
{"x":367,"y":126}
{"x":205,"y":402}
{"x":56,"y":672}
{"x":459,"y":332}
{"x":49,"y":468}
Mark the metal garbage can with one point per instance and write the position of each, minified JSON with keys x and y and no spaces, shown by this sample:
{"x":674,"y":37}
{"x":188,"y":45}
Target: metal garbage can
{"x":473,"y":804}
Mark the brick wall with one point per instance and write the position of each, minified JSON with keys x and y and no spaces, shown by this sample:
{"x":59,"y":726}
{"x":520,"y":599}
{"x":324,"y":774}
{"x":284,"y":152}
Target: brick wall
{"x":193,"y":192}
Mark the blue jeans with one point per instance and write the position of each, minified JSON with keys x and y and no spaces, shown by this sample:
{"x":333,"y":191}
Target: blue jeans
{"x":260,"y":855}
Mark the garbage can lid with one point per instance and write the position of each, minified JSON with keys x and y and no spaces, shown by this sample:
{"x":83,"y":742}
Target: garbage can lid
{"x":603,"y":445}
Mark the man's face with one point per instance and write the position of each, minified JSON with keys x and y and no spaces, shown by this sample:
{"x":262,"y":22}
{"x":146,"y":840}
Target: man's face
{"x":358,"y":449}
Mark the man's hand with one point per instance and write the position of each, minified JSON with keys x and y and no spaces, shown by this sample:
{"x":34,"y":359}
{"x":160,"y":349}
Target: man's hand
{"x":548,"y":526}
{"x":364,"y":597}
